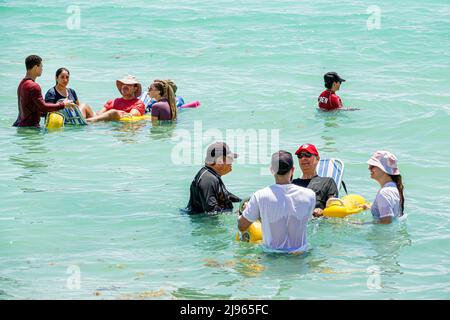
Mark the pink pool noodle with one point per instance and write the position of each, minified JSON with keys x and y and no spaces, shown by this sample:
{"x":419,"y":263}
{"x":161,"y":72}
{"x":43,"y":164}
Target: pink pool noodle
{"x":193,"y":104}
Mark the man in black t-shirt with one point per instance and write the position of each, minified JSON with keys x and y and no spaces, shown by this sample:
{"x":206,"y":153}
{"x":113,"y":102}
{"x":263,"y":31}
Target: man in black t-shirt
{"x":324,"y":187}
{"x":208,"y":192}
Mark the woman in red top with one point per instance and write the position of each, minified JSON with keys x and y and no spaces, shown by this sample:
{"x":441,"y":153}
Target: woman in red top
{"x":128,"y":105}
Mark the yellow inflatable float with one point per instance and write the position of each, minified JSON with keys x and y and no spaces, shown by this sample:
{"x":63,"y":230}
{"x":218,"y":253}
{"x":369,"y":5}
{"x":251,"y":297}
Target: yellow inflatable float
{"x":340,"y":208}
{"x":136,"y":118}
{"x":253,"y":234}
{"x":336,"y":208}
{"x":54,"y":120}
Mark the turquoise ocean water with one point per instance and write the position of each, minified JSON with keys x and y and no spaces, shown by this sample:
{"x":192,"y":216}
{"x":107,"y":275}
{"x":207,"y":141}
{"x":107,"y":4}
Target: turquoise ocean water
{"x":103,"y":201}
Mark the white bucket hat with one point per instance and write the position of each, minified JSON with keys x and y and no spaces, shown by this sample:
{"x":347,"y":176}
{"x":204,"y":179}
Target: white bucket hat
{"x":386,"y":161}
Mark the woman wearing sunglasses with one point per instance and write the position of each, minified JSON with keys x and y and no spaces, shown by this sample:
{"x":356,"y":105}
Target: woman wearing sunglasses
{"x":165,"y":107}
{"x":389,"y":202}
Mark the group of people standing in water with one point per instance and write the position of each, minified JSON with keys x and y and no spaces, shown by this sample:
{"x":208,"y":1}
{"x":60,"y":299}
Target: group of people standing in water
{"x":284,"y":208}
{"x":160,"y":99}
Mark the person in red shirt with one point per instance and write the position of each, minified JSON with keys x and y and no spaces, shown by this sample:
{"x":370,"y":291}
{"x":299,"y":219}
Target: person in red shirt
{"x":329,"y":100}
{"x":126,"y":106}
{"x":30,"y":101}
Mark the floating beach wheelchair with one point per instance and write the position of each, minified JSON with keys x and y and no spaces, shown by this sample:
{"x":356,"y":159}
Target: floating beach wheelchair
{"x":66,"y":116}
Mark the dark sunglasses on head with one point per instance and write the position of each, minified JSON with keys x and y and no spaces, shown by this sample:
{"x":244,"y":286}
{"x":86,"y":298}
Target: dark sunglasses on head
{"x":304,"y":154}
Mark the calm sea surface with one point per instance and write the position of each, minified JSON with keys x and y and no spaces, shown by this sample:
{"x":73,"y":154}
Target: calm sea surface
{"x":102,"y":203}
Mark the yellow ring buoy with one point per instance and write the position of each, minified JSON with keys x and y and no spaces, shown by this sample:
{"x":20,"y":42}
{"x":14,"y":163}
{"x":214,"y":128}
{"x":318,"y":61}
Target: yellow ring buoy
{"x":253,"y":234}
{"x":340,"y":208}
{"x":54,"y":120}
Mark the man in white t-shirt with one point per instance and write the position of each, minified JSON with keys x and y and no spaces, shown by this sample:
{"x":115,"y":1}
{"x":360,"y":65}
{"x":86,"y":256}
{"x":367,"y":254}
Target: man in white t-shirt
{"x":284,"y":208}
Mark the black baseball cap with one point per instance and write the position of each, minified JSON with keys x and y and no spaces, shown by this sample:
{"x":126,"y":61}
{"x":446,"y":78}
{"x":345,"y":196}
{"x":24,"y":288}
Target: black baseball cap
{"x":282,"y":162}
{"x":218,"y":149}
{"x":331,"y":77}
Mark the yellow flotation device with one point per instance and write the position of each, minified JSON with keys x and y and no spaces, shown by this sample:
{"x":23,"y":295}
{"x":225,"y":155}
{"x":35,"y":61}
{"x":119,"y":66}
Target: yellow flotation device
{"x":136,"y":118}
{"x":340,"y":208}
{"x":54,"y":120}
{"x":253,"y":234}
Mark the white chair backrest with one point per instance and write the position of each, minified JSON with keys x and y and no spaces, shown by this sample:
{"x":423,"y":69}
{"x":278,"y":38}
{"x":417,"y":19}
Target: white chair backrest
{"x":333,"y":168}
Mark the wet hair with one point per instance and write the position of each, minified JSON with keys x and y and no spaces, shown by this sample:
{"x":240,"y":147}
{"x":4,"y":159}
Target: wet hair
{"x":173,"y":85}
{"x":32,"y":61}
{"x":166,"y":91}
{"x":398,"y":181}
{"x":59,"y":71}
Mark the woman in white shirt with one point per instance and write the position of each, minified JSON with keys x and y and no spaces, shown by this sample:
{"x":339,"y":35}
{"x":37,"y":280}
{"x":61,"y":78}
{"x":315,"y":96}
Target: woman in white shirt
{"x":389,"y":202}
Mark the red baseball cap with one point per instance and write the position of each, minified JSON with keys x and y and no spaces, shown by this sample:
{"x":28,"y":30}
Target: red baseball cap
{"x":307,"y":147}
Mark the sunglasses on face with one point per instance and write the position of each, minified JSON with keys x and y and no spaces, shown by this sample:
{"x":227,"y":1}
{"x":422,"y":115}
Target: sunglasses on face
{"x":304,"y":154}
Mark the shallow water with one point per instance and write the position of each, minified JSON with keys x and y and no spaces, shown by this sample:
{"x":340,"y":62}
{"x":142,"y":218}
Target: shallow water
{"x":105,"y":200}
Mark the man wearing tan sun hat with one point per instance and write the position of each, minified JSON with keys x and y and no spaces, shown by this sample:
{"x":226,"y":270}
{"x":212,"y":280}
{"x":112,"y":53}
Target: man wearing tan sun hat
{"x":125,"y":106}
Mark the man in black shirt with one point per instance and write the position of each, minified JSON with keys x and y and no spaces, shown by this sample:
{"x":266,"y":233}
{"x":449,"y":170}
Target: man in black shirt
{"x":208,"y":192}
{"x":324,"y":187}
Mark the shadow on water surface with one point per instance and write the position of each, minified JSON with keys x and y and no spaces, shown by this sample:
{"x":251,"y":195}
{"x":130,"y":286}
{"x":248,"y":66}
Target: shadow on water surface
{"x":330,"y":123}
{"x":31,"y":141}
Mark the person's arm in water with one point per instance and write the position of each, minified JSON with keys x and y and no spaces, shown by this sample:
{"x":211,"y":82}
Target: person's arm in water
{"x":138,"y":109}
{"x":233,"y":198}
{"x":347,"y":108}
{"x":384,"y":220}
{"x":102,"y":110}
{"x":330,"y":192}
{"x":336,"y":100}
{"x":251,"y":214}
{"x":36,"y":96}
{"x":243,"y":223}
{"x":318,"y":212}
{"x":386,"y":213}
{"x":135,"y":113}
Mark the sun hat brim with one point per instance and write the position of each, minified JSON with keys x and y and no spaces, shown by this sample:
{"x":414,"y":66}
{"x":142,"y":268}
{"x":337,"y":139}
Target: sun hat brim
{"x":378,"y":164}
{"x":121,"y":82}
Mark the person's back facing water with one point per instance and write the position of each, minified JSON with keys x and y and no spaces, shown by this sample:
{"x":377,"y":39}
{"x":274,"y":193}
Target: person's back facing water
{"x":284,"y":209}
